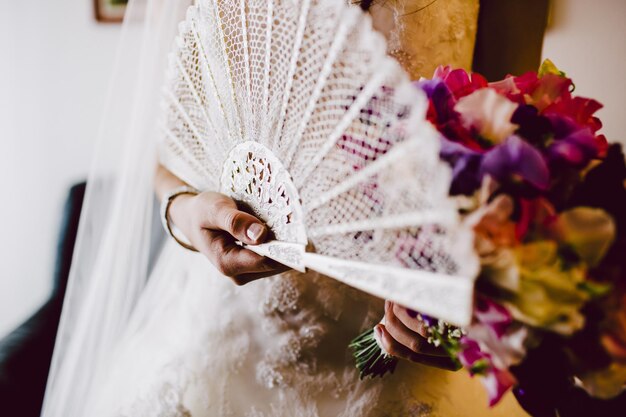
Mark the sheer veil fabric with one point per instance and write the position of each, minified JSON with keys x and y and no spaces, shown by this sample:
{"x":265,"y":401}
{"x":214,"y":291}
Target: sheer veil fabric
{"x":110,"y":262}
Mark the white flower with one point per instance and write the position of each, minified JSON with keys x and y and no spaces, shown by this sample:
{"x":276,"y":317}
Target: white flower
{"x":489,"y":112}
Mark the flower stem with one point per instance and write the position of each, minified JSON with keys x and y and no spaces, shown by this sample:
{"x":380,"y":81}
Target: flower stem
{"x":371,"y":359}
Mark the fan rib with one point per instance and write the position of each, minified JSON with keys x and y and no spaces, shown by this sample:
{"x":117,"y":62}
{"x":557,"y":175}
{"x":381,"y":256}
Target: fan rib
{"x":435,"y":293}
{"x":266,"y":70}
{"x":366,"y":94}
{"x":398,"y":221}
{"x":228,"y":69}
{"x":244,"y":28}
{"x":335,"y":49}
{"x":195,"y":94}
{"x":362,"y":175}
{"x":214,"y":90}
{"x":184,"y":149}
{"x":302,"y":21}
{"x":181,"y":110}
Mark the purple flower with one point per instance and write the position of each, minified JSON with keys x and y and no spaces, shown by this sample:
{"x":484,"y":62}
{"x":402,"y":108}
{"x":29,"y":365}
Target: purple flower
{"x":515,"y":160}
{"x":465,"y":163}
{"x":428,"y":86}
{"x":441,"y":98}
{"x":573,"y":144}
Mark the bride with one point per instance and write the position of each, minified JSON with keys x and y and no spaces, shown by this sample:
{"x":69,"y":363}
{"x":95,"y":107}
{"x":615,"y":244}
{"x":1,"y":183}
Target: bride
{"x":218,"y":330}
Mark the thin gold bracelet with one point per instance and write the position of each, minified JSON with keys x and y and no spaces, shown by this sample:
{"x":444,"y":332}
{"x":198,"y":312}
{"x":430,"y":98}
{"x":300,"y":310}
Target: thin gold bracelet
{"x":165,"y":218}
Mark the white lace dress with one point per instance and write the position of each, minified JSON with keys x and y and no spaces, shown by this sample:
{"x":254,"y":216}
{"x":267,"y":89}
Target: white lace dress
{"x":274,"y":347}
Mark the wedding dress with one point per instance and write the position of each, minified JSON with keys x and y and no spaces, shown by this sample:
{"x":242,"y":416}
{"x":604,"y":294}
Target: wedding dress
{"x":196,"y":345}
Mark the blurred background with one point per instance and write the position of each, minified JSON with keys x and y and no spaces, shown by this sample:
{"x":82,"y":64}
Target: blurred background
{"x":55,"y":62}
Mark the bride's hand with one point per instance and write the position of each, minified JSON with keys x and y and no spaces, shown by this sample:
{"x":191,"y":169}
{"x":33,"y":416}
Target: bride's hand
{"x":213,"y":223}
{"x":405,"y":337}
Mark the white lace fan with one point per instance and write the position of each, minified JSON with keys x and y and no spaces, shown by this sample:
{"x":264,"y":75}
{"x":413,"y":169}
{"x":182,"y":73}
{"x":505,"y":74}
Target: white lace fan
{"x":294,"y":108}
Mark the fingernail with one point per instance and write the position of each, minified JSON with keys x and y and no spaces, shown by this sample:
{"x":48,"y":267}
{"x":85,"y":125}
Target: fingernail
{"x":255,"y":230}
{"x":379,"y":331}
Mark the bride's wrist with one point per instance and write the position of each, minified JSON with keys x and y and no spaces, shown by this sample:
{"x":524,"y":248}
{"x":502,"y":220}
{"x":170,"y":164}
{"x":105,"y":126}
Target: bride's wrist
{"x":180,"y":211}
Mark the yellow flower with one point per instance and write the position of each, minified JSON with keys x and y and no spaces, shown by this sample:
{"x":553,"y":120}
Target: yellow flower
{"x":548,"y":67}
{"x":549,"y":296}
{"x":605,"y":383}
{"x":589,"y":231}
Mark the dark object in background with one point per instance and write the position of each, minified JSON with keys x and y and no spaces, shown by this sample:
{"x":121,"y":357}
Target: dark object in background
{"x":553,"y":394}
{"x":25,"y":354}
{"x":510,"y":37}
{"x":109,"y":11}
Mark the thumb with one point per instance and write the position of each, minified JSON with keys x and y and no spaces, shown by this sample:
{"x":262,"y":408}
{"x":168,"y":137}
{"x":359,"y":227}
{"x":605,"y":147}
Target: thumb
{"x":241,"y":225}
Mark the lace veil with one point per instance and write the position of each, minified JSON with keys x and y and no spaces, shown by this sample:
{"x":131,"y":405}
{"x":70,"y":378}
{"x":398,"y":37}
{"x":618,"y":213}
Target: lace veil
{"x":110,"y":262}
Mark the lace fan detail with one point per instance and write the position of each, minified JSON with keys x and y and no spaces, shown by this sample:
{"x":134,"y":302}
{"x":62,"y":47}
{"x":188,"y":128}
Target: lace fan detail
{"x":255,"y":177}
{"x":293,"y":108}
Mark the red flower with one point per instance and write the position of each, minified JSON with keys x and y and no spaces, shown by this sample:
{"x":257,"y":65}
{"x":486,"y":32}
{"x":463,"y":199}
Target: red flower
{"x":579,"y":109}
{"x":536,"y":212}
{"x":549,"y":89}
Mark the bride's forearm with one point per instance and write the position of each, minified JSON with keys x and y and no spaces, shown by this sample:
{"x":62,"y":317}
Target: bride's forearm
{"x":165,"y":181}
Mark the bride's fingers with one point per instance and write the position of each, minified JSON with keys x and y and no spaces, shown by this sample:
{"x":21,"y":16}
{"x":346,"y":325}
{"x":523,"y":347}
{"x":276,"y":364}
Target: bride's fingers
{"x":232,"y":260}
{"x":245,"y":278}
{"x":409,"y":321}
{"x":391,"y":345}
{"x":394,"y":348}
{"x":407,"y":337}
{"x":225,"y":215}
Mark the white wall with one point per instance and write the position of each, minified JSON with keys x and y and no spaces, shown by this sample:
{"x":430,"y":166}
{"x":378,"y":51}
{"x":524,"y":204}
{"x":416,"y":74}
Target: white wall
{"x":54,"y":66}
{"x":587,"y":40}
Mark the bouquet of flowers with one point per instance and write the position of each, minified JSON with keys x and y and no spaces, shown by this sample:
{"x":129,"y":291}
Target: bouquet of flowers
{"x":546,"y":196}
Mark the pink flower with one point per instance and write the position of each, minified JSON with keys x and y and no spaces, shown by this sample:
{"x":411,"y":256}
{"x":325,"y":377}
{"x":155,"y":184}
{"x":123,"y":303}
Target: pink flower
{"x":496,"y":381}
{"x":508,"y":88}
{"x":499,"y":338}
{"x":493,"y":315}
{"x":459,"y":81}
